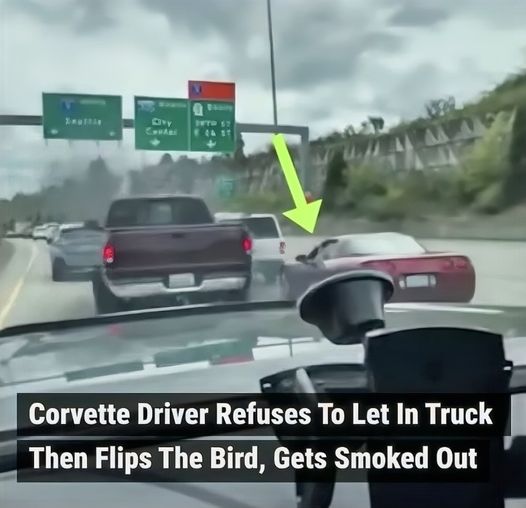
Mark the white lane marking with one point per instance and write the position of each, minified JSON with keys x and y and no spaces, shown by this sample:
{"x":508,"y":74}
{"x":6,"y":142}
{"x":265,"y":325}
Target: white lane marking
{"x":4,"y":312}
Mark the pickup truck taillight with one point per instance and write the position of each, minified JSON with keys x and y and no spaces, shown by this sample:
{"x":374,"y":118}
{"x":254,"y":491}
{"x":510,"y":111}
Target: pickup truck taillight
{"x":108,"y":254}
{"x":247,"y":245}
{"x":282,"y":246}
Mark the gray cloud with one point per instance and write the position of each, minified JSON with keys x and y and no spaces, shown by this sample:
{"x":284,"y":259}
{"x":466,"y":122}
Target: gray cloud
{"x":45,"y":12}
{"x":80,"y":16}
{"x":302,"y":65}
{"x":314,"y":44}
{"x":95,"y":16}
{"x":230,"y":19}
{"x":414,"y":14}
{"x":407,"y":95}
{"x":499,"y":14}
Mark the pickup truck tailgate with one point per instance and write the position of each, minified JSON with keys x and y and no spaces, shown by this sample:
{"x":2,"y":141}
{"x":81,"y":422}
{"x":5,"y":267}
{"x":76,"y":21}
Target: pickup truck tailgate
{"x":161,"y":251}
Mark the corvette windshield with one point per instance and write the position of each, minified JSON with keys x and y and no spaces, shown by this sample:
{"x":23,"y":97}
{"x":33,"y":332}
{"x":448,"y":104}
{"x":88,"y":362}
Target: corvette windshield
{"x":372,"y":245}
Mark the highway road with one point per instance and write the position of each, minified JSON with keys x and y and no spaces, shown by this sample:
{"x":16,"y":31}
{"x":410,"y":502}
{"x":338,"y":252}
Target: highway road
{"x":28,"y":295}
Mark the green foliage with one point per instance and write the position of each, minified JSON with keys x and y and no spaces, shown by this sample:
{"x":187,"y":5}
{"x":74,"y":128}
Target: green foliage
{"x":392,"y":206}
{"x":372,"y":189}
{"x":486,"y":166}
{"x":364,"y":181}
{"x":506,"y":96}
{"x":490,"y":200}
{"x":515,"y":185}
{"x":381,"y":194}
{"x":335,"y":181}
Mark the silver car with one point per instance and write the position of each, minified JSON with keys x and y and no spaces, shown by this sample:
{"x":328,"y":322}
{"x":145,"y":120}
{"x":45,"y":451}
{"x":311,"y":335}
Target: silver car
{"x":39,"y":232}
{"x":75,"y":251}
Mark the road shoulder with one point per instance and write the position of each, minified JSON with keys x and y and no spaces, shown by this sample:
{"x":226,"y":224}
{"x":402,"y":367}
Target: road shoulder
{"x":6,"y":253}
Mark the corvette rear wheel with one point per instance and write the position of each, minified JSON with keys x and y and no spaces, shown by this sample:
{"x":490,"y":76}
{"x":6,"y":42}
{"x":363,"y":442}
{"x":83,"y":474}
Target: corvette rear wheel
{"x":58,"y":271}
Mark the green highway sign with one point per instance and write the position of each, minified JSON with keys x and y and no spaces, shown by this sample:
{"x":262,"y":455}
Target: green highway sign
{"x":161,"y":124}
{"x":226,"y":187}
{"x":81,"y":116}
{"x":212,"y":126}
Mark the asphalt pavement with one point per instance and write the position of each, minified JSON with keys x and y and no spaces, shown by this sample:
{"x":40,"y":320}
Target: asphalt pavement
{"x":28,"y":295}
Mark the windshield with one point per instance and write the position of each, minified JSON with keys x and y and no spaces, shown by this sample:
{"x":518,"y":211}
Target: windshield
{"x":378,"y":245}
{"x":263,"y":227}
{"x":130,"y":354}
{"x":158,"y":212}
{"x":164,"y":154}
{"x":200,"y":341}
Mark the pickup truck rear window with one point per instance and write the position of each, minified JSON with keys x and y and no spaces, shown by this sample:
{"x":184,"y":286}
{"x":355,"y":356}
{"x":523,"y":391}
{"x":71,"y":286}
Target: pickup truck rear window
{"x":158,"y":212}
{"x":261,"y":227}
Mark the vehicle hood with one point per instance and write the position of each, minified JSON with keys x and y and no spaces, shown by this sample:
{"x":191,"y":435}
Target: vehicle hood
{"x":508,"y":321}
{"x":190,"y":378}
{"x":165,"y":495}
{"x":245,"y":377}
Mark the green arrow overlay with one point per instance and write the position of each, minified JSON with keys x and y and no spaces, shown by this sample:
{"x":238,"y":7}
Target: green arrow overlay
{"x":304,"y":214}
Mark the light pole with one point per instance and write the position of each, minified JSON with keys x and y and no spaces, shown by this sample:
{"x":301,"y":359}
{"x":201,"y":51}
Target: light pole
{"x":272,"y":69}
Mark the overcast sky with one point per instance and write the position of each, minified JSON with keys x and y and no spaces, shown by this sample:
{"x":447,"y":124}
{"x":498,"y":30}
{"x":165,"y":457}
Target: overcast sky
{"x":337,"y":62}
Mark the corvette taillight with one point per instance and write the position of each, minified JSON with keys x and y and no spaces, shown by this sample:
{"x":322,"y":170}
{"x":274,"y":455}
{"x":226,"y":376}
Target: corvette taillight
{"x":461,"y":263}
{"x":456,"y":263}
{"x":108,"y":254}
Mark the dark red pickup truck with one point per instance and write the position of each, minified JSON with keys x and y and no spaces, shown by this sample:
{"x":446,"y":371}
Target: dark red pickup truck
{"x":167,"y":249}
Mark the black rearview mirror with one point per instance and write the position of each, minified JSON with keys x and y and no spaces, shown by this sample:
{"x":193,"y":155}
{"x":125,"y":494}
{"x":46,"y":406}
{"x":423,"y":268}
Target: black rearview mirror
{"x":301,"y":258}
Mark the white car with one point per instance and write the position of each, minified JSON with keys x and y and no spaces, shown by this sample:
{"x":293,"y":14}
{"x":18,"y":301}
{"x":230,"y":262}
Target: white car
{"x":51,"y":229}
{"x":40,"y":233}
{"x":55,"y":231}
{"x":268,"y":250}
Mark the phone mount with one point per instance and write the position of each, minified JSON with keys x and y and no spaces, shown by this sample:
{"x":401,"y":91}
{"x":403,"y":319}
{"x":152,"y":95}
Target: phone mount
{"x":348,"y":305}
{"x":348,"y":309}
{"x":440,"y":360}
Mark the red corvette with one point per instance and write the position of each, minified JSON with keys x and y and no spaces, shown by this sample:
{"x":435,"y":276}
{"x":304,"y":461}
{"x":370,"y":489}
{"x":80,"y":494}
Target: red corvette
{"x":419,"y":275}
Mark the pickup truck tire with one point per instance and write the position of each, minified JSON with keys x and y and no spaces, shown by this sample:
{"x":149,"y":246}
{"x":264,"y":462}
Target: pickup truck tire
{"x":105,"y":301}
{"x":58,"y":270}
{"x":284,"y":288}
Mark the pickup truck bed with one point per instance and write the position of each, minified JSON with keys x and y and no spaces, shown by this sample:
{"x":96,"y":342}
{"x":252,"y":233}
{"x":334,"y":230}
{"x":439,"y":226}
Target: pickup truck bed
{"x":191,"y":260}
